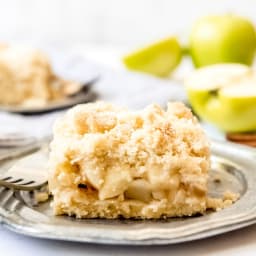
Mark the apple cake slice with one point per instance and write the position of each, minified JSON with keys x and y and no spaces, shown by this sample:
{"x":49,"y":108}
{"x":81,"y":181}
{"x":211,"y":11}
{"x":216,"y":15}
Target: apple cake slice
{"x":108,"y":162}
{"x":27,"y":78}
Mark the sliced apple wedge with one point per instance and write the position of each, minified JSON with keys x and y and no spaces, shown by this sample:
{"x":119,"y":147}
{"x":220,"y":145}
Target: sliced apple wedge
{"x":95,"y":177}
{"x":139,"y":190}
{"x":225,"y":95}
{"x":116,"y":182}
{"x":158,"y":59}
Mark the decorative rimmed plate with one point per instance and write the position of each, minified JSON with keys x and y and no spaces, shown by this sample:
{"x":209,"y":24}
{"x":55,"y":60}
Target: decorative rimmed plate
{"x":233,"y":168}
{"x":83,"y":96}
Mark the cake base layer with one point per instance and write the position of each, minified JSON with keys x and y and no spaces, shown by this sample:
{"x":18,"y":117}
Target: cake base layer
{"x":112,"y":209}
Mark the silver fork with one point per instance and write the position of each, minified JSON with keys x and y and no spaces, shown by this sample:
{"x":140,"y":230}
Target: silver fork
{"x":22,"y":183}
{"x":28,"y":174}
{"x":8,"y":200}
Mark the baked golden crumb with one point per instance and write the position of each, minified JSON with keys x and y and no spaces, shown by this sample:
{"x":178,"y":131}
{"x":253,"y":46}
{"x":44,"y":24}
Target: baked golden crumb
{"x":27,"y":78}
{"x":108,"y":162}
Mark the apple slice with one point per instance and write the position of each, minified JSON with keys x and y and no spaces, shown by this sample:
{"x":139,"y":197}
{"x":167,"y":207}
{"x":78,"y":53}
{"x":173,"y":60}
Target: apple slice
{"x":139,"y":190}
{"x":94,"y":177}
{"x":115,"y":183}
{"x":224,"y":95}
{"x":158,"y":59}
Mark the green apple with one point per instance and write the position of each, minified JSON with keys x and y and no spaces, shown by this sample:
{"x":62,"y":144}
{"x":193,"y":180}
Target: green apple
{"x":225,"y":95}
{"x":222,"y":39}
{"x":158,"y":59}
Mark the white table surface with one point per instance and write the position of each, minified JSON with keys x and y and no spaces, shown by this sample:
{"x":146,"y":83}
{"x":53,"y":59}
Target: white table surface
{"x":240,"y":242}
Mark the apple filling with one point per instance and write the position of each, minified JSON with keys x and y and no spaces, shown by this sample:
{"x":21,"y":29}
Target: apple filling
{"x":109,"y":162}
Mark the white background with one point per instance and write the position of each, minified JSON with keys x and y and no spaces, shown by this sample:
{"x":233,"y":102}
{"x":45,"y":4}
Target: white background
{"x":109,"y":22}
